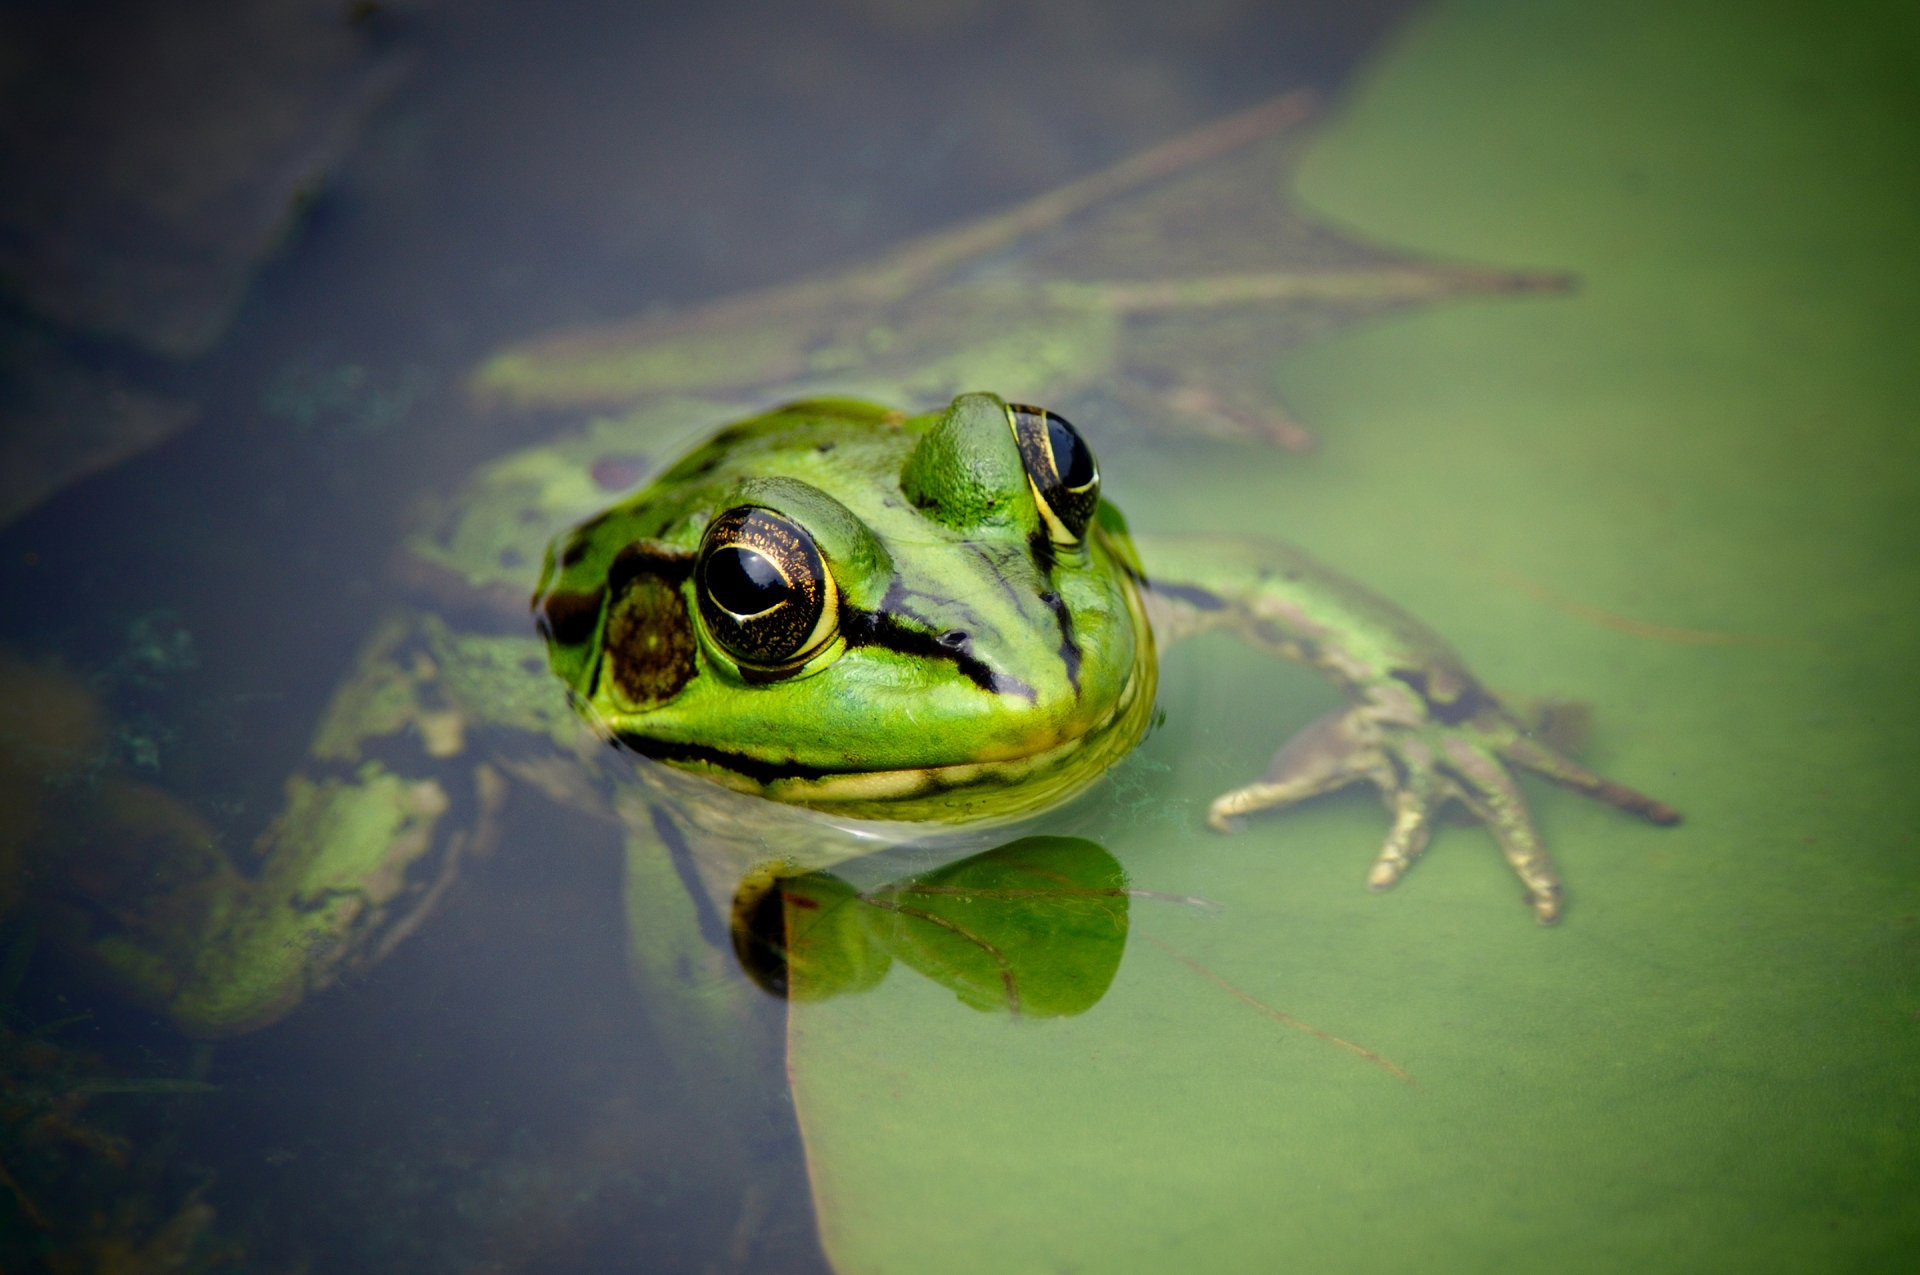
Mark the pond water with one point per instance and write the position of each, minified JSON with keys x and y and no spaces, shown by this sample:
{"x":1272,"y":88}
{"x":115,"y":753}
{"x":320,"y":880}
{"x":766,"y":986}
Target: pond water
{"x":1611,"y":389}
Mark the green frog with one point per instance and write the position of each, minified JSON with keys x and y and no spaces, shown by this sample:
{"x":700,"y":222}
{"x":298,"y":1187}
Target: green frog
{"x":937,"y":617}
{"x":826,"y":629}
{"x":831,"y":628}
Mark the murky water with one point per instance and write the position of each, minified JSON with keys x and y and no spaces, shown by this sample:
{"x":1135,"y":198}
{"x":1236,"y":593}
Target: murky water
{"x":306,"y":230}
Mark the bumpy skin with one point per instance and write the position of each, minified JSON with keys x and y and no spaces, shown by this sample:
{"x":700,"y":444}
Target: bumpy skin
{"x":984,"y":646}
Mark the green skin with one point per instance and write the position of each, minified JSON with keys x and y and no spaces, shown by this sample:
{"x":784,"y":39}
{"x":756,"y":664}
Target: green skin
{"x":875,"y":731}
{"x":928,"y":527}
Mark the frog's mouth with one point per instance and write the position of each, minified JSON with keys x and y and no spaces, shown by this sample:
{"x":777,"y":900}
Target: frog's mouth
{"x":1004,"y":787}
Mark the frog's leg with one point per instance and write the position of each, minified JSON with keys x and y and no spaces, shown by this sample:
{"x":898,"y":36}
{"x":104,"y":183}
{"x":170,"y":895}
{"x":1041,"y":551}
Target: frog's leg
{"x":1420,"y":728}
{"x":770,"y":335}
{"x":1194,"y":355}
{"x":371,"y":834}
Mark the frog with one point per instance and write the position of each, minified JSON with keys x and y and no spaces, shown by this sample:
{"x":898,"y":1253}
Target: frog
{"x":938,"y":617}
{"x":830,"y":628}
{"x":1028,"y":623}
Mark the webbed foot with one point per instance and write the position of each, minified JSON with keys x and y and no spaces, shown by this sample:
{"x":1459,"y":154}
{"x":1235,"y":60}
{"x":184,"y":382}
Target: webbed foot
{"x":1420,"y":768}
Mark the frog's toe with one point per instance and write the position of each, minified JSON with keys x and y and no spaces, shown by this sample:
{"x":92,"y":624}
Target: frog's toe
{"x":1326,"y":756}
{"x":1413,"y":811}
{"x":1269,"y":795}
{"x":1488,"y":789}
{"x":1544,"y":761}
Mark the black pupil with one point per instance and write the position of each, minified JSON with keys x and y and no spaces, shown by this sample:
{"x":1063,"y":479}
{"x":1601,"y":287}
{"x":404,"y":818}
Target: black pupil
{"x":1071,"y":459}
{"x":743,"y":581}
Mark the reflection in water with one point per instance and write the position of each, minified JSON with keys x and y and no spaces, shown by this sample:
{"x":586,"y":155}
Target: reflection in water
{"x":1033,"y":928}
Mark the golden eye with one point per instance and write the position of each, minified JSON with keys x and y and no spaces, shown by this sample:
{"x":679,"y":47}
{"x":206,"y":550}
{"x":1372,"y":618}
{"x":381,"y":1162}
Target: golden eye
{"x":1061,"y":469}
{"x":765,"y":594}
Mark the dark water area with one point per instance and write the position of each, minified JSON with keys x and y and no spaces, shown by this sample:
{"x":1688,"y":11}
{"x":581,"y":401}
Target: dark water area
{"x":489,"y":1098}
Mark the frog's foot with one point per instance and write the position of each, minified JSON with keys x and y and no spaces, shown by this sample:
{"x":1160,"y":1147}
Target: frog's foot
{"x":1420,"y":770}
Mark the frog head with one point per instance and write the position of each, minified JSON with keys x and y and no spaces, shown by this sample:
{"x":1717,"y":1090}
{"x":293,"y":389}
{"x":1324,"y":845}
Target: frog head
{"x":836,"y":605}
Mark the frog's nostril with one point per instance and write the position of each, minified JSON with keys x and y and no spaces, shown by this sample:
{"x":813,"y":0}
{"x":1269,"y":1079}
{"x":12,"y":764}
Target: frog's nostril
{"x":953,"y":639}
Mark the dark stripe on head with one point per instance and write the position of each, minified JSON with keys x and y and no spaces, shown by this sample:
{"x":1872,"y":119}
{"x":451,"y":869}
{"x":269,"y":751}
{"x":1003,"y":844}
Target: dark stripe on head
{"x":899,"y":603}
{"x":1069,"y":644}
{"x":754,"y":768}
{"x":932,"y":781}
{"x":884,"y":629}
{"x":568,"y":619}
{"x":997,"y":567}
{"x":646,"y":557}
{"x":1041,"y":548}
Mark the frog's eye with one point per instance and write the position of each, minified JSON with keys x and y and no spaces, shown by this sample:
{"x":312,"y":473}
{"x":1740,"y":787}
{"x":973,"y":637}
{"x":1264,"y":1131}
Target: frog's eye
{"x":766,"y":596}
{"x":1060,"y":465}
